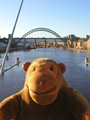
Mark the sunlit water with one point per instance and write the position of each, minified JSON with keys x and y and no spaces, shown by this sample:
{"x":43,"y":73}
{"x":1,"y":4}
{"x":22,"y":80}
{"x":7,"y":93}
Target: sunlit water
{"x":77,"y":74}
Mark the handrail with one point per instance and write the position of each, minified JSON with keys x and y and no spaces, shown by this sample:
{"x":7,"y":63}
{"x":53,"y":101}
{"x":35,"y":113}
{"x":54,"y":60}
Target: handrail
{"x":10,"y":40}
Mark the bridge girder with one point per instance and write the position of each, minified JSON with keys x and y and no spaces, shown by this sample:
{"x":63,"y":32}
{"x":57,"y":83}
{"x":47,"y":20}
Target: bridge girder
{"x":41,"y":29}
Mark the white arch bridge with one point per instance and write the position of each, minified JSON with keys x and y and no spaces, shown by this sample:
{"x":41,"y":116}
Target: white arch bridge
{"x":41,"y":35}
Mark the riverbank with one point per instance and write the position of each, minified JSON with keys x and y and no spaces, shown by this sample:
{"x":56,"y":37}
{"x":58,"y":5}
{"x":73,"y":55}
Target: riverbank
{"x":18,"y":49}
{"x":78,"y":50}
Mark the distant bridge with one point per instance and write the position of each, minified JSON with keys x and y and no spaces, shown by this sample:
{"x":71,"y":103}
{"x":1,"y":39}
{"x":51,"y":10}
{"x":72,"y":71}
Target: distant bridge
{"x":45,"y":39}
{"x":43,"y":36}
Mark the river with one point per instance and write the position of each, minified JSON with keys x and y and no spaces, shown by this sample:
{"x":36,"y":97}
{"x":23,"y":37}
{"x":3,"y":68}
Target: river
{"x":77,"y":74}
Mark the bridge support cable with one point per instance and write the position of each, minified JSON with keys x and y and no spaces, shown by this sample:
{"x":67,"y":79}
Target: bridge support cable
{"x":10,"y":40}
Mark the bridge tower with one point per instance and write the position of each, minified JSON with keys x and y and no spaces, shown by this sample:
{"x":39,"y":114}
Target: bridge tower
{"x":45,"y":43}
{"x":35,"y":42}
{"x":55,"y":43}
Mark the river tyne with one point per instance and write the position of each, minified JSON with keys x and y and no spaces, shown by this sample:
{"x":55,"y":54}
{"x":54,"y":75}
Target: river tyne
{"x":77,"y":74}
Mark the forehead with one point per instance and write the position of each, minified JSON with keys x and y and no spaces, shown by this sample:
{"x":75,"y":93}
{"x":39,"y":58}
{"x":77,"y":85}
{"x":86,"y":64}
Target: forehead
{"x":44,"y":63}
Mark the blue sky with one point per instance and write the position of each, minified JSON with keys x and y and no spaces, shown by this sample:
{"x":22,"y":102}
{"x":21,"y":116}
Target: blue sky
{"x":63,"y":16}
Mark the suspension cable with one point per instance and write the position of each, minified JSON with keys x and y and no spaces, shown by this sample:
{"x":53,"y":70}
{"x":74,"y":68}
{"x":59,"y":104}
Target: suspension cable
{"x":10,"y":40}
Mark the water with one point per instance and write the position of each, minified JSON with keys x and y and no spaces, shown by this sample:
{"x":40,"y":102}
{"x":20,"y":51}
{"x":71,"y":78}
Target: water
{"x":77,"y":74}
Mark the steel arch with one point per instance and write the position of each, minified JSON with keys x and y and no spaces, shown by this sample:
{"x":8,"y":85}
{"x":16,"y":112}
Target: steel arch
{"x":41,"y":29}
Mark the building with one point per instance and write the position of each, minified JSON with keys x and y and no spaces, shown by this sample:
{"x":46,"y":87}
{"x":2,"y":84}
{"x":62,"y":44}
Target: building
{"x":72,"y":37}
{"x":80,"y":43}
{"x":3,"y":45}
{"x":88,"y":44}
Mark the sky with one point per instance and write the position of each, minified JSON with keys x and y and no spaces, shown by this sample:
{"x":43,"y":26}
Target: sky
{"x":65,"y":17}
